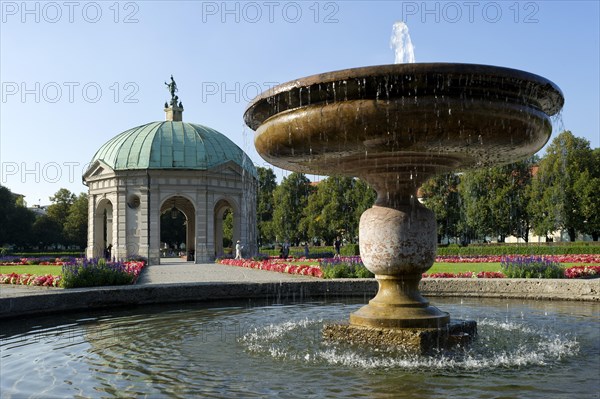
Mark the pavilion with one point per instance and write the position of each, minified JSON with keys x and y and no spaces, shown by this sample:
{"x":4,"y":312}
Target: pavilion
{"x":168,"y":167}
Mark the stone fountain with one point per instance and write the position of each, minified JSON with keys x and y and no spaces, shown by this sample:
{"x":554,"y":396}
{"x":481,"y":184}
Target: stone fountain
{"x":395,"y":126}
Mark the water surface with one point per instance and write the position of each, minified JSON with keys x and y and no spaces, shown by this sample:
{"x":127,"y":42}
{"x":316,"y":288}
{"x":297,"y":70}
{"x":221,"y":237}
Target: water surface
{"x":252,"y":349}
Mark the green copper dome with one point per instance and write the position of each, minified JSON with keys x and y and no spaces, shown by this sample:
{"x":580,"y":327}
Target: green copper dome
{"x":171,"y":145}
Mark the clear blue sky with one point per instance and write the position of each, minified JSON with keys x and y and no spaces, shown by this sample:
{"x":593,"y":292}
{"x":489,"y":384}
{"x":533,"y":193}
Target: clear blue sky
{"x":74,"y":75}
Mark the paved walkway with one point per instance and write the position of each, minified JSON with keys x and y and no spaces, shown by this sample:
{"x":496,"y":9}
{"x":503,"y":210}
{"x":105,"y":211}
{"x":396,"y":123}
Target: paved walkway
{"x":178,"y":271}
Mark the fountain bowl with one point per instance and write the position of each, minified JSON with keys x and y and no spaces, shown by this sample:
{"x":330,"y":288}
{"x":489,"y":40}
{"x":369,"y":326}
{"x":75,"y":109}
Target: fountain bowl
{"x":409,"y":120}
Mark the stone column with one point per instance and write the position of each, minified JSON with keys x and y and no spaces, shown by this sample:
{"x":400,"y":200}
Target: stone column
{"x":190,"y":238}
{"x":89,"y":251}
{"x":142,"y":249}
{"x":210,"y":226}
{"x":120,"y":223}
{"x":202,"y":215}
{"x":153,"y":228}
{"x":397,"y":239}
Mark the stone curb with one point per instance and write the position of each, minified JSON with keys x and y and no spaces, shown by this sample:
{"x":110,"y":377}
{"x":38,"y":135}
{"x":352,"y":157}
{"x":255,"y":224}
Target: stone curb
{"x":116,"y":296}
{"x":548,"y":289}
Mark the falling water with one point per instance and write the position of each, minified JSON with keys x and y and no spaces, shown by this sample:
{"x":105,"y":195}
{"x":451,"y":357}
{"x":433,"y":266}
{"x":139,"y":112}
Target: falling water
{"x":402,"y":45}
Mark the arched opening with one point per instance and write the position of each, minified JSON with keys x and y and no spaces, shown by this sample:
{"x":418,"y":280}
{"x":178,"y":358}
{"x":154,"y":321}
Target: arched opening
{"x":103,"y":229}
{"x":177,"y":229}
{"x":226,"y":231}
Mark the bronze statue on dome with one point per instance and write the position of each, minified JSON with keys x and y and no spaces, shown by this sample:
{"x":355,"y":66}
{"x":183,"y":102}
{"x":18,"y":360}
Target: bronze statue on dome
{"x":172,"y":87}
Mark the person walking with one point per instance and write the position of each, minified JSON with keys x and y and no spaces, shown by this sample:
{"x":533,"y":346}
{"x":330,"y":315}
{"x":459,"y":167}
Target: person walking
{"x":238,"y":249}
{"x":285,"y":250}
{"x":337,"y":244}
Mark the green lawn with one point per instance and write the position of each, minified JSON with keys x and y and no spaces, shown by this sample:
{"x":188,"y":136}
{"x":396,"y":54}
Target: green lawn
{"x":446,"y":267}
{"x":440,"y":267}
{"x":443,"y":267}
{"x":39,"y":270}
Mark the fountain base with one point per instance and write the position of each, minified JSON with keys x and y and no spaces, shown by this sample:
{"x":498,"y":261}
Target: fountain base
{"x":418,"y":340}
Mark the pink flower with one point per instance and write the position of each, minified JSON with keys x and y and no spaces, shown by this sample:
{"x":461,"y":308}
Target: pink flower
{"x":464,"y":275}
{"x":275,"y":265}
{"x":582,"y":271}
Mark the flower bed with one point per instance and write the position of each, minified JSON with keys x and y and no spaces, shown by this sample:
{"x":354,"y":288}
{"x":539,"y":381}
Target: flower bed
{"x":352,"y":267}
{"x":30,"y":279}
{"x":582,"y":271}
{"x":45,"y":261}
{"x":497,"y":259}
{"x":81,"y":273}
{"x":465,"y":275}
{"x":531,"y":267}
{"x":274,"y":265}
{"x":99,"y":272}
{"x":344,"y":267}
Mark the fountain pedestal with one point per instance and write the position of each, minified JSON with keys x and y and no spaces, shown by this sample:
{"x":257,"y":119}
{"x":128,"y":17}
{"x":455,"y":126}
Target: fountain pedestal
{"x":397,"y":239}
{"x":416,"y":340}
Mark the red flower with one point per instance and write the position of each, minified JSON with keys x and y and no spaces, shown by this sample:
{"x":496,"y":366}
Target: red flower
{"x":275,"y":265}
{"x":582,"y":271}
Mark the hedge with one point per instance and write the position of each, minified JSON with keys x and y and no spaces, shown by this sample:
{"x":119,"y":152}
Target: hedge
{"x":296,"y":252}
{"x":72,"y":254}
{"x":518,"y":249}
{"x":350,"y":250}
{"x":563,"y":248}
{"x":574,"y":248}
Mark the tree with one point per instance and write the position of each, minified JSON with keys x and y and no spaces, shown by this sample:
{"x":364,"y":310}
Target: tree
{"x":61,"y":202}
{"x":16,"y":220}
{"x":521,"y":176}
{"x":322,"y":218}
{"x":228,"y":228}
{"x":495,"y":200}
{"x":289,"y":199}
{"x":21,"y":222}
{"x":587,"y":191}
{"x":334,"y":208}
{"x":440,"y":194}
{"x":555,"y":202}
{"x":264,"y":201}
{"x":474,"y":187}
{"x":58,"y":211}
{"x":76,"y":225}
{"x":7,"y":205}
{"x":363,"y":197}
{"x":46,"y":232}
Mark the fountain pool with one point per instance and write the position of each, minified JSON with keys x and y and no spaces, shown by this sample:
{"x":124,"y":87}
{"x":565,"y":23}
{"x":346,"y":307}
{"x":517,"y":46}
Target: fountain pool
{"x":257,"y":349}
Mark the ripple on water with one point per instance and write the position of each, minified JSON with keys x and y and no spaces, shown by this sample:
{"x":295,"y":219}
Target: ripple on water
{"x":499,"y":345}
